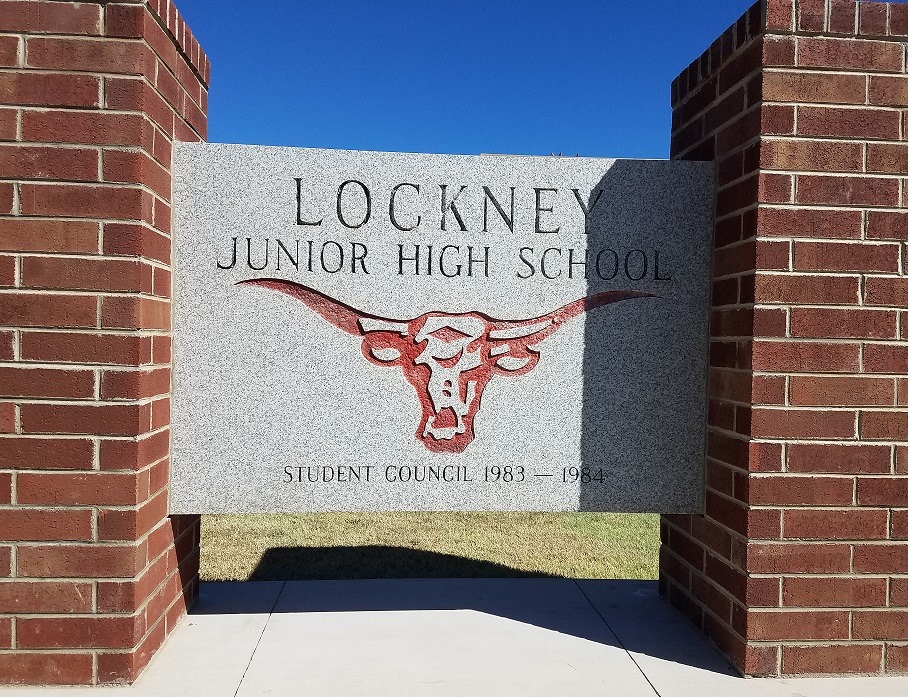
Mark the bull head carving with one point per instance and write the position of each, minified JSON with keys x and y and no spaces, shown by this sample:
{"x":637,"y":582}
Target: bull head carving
{"x":448,"y":358}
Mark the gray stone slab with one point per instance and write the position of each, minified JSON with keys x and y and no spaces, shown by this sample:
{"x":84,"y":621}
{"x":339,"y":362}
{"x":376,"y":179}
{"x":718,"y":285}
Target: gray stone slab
{"x":553,"y":359}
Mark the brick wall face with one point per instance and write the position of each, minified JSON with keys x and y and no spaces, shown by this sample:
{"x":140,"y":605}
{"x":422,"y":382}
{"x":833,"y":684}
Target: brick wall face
{"x":800,"y":563}
{"x":93,"y":573}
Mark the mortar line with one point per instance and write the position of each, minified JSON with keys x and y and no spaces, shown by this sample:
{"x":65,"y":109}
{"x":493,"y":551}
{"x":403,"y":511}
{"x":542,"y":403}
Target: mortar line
{"x":256,"y":647}
{"x":617,"y":638}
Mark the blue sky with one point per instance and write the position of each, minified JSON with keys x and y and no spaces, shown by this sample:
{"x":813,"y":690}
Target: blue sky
{"x":526,"y":77}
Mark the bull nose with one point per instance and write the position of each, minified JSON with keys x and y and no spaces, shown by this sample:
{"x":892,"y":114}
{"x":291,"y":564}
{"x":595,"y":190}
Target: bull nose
{"x":446,"y":418}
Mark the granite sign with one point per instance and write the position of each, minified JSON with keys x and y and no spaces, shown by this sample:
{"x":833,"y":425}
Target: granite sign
{"x":385,"y":331}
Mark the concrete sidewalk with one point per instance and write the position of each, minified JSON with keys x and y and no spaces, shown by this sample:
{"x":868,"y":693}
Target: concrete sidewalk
{"x":447,"y":637}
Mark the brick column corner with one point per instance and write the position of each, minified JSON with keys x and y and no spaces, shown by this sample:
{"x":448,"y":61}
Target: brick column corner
{"x":93,"y":572}
{"x":800,"y":563}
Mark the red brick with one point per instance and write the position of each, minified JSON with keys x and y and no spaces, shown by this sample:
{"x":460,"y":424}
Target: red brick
{"x":129,"y":94}
{"x":806,"y":591}
{"x":848,"y":123}
{"x":44,"y":382}
{"x":886,"y":225}
{"x":114,"y":420}
{"x":884,"y":425}
{"x":7,"y":417}
{"x":6,"y":488}
{"x":846,"y":256}
{"x":802,"y":423}
{"x":900,"y":526}
{"x":885,"y":358}
{"x":846,"y":524}
{"x":823,"y":88}
{"x":856,"y":54}
{"x":42,"y":162}
{"x":813,"y":626}
{"x":842,"y":17}
{"x":136,"y":167}
{"x":7,"y":342}
{"x":134,"y":454}
{"x":881,"y":558}
{"x":50,"y":17}
{"x":839,"y":459}
{"x":898,"y":20}
{"x":88,"y":127}
{"x":5,"y":562}
{"x":777,"y":120}
{"x":81,"y":561}
{"x":22,"y":234}
{"x":9,"y":51}
{"x":136,"y":240}
{"x":7,"y":271}
{"x":768,"y":389}
{"x":81,"y":201}
{"x":814,"y":290}
{"x":22,"y":668}
{"x":838,"y":659}
{"x":160,"y":413}
{"x":887,"y":158}
{"x":798,"y":558}
{"x":9,"y":124}
{"x":886,"y":90}
{"x":847,"y":191}
{"x":161,"y":283}
{"x":775,"y":188}
{"x":6,"y":198}
{"x":77,"y":489}
{"x":901,"y":459}
{"x":45,"y":310}
{"x":129,"y":524}
{"x":811,"y":15}
{"x":778,"y":51}
{"x":800,"y":491}
{"x":870,"y":324}
{"x":45,"y":453}
{"x":49,"y":89}
{"x":881,"y":624}
{"x":108,"y":56}
{"x":78,"y":632}
{"x":45,"y":597}
{"x":85,"y":274}
{"x":802,"y":356}
{"x":70,"y":347}
{"x":892,"y":292}
{"x":779,"y":15}
{"x":46,"y":525}
{"x":811,"y":156}
{"x":134,"y":313}
{"x":872,"y":18}
{"x":897,"y":655}
{"x":883,"y":491}
{"x":138,"y":384}
{"x":815,"y":391}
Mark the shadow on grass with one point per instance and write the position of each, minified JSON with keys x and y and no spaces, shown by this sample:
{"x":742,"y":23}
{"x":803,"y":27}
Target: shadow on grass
{"x":373,"y":562}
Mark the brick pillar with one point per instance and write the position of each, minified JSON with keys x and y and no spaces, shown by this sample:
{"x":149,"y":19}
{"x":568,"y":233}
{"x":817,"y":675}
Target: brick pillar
{"x":93,"y":573}
{"x":800,"y":564}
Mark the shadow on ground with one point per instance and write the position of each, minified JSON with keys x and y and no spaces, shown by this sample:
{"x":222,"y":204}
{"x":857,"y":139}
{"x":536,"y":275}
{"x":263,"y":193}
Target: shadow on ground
{"x":627,"y":615}
{"x":374,"y":562}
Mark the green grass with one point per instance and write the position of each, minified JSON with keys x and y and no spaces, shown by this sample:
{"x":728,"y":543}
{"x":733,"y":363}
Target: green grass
{"x":423,"y":545}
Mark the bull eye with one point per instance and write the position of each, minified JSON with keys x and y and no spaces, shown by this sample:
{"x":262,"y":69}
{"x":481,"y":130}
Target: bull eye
{"x":447,"y":362}
{"x":448,"y":334}
{"x":386,"y":354}
{"x":512,"y":363}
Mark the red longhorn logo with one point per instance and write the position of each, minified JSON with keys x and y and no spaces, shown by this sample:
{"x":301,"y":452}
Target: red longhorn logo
{"x":448,"y":358}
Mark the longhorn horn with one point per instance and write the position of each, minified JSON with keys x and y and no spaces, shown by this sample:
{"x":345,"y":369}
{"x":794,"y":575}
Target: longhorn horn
{"x":548,"y":323}
{"x":339,"y":314}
